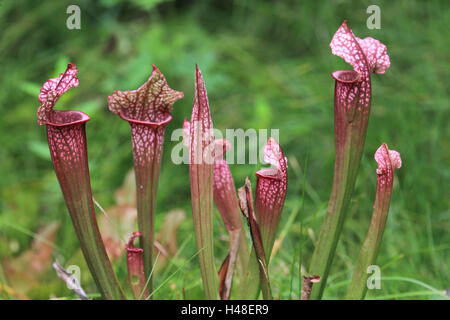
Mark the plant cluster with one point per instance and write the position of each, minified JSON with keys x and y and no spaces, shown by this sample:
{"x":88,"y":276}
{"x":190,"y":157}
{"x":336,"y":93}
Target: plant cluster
{"x":148,"y":110}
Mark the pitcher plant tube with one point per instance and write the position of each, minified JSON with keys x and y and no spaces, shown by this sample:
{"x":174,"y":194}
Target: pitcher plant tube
{"x":271,"y":187}
{"x":352,"y":100}
{"x":66,"y":133}
{"x":147,"y":110}
{"x":388,"y":161}
{"x":135,"y":267}
{"x":201,"y":172}
{"x":224,"y":195}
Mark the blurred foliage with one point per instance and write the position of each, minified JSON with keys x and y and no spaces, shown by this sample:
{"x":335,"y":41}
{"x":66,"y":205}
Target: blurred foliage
{"x":266,"y":65}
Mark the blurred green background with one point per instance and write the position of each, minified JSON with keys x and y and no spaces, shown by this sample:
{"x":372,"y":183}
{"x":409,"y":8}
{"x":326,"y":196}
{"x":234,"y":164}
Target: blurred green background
{"x":266,"y":65}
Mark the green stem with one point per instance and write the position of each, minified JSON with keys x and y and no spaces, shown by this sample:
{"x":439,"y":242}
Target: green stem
{"x":257,"y":275}
{"x":346,"y":167}
{"x":369,"y":251}
{"x":242,"y":260}
{"x":147,"y":177}
{"x":226,"y":272}
{"x":250,"y":287}
{"x":202,"y":215}
{"x":147,"y":139}
{"x":262,"y":256}
{"x":388,"y":161}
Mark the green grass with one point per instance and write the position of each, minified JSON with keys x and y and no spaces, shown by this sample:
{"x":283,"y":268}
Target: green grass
{"x":265,"y":66}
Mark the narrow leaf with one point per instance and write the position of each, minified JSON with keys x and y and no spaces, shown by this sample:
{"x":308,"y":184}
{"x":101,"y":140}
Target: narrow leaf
{"x":201,"y":168}
{"x":388,"y":161}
